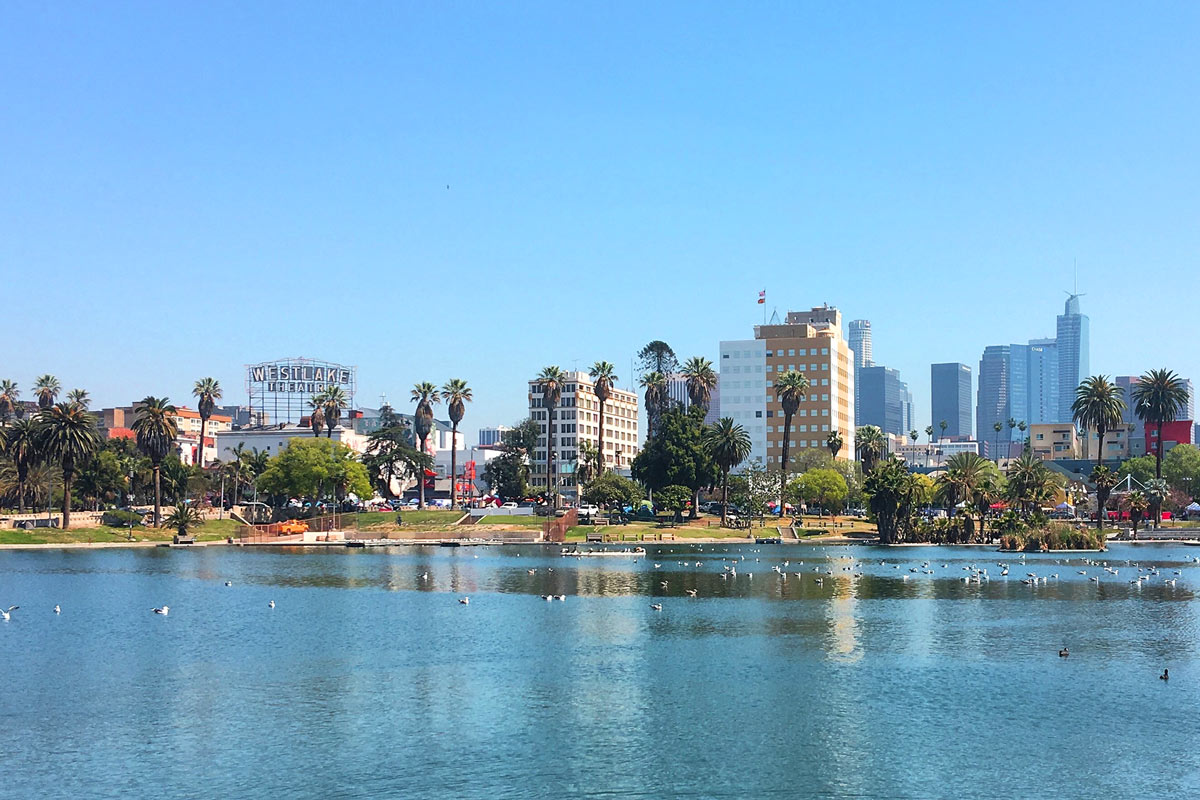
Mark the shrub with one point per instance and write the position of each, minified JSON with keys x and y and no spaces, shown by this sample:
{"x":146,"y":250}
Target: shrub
{"x":121,"y":519}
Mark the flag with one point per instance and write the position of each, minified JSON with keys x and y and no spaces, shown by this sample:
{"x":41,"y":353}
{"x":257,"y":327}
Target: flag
{"x":762,"y":297}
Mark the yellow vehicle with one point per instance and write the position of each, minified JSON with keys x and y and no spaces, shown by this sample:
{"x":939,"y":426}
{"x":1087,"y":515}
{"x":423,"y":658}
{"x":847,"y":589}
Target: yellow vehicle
{"x":293,"y":526}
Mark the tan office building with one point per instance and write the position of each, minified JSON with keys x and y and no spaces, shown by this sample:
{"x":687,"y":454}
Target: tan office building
{"x":1055,"y":441}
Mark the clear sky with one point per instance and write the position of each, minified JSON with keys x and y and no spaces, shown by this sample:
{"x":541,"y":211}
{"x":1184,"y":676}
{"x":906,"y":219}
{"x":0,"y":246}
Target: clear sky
{"x":478,"y":190}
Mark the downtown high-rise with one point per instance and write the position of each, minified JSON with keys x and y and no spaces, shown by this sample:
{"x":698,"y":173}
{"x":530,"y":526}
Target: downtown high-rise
{"x":950,"y":399}
{"x":1074,"y":345}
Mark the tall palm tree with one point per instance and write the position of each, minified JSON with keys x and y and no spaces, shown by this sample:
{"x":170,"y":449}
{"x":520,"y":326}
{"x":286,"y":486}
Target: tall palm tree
{"x":943,"y":425}
{"x":67,"y":434}
{"x":655,"y":384}
{"x":1030,"y":482}
{"x":1104,"y":479}
{"x":21,"y":446}
{"x":46,"y":387}
{"x":207,"y":392}
{"x":872,"y":444}
{"x":79,"y":397}
{"x":728,"y":445}
{"x":1138,"y":505}
{"x":790,"y":389}
{"x":603,"y":375}
{"x":834,"y":442}
{"x":1158,"y":398}
{"x":551,"y":381}
{"x":335,"y":401}
{"x":9,"y":394}
{"x":1098,"y":406}
{"x":964,"y":481}
{"x":997,"y":426}
{"x":155,"y":431}
{"x":316,"y":418}
{"x":913,"y":435}
{"x":424,"y":394}
{"x":929,"y":433}
{"x":457,"y":394}
{"x":701,"y":380}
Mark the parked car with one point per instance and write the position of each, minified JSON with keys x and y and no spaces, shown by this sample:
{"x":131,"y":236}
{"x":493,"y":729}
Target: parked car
{"x":589,"y":512}
{"x":509,"y":504}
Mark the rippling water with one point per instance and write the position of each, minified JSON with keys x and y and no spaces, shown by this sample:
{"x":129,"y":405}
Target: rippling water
{"x":370,"y":679}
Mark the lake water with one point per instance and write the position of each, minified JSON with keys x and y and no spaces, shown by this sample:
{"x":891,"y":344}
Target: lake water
{"x":368,"y":680}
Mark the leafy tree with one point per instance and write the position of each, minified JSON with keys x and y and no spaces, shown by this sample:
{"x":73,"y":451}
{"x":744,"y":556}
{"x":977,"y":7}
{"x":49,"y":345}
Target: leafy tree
{"x":390,"y":456}
{"x":67,"y":434}
{"x":754,"y":489}
{"x":968,"y":479}
{"x":507,"y":475}
{"x":834,"y":442}
{"x":9,"y":395}
{"x":655,"y":384}
{"x":701,"y":380}
{"x":893,"y":495}
{"x":824,"y":487}
{"x":872,"y":444}
{"x":728,"y":445}
{"x":46,"y":387}
{"x":997,"y":427}
{"x":612,"y":491}
{"x":306,"y":467}
{"x":551,"y":381}
{"x":522,"y":438}
{"x":102,"y":478}
{"x":155,"y":430}
{"x":207,"y":392}
{"x":943,"y":425}
{"x":1031,"y":483}
{"x":424,"y":395}
{"x":673,"y":498}
{"x":657,"y":356}
{"x":457,"y":394}
{"x":676,"y":454}
{"x":183,"y":518}
{"x":1159,"y":397}
{"x":1098,"y":406}
{"x":1141,"y":468}
{"x":790,"y":389}
{"x":603,"y":375}
{"x":1181,"y":468}
{"x":388,"y":418}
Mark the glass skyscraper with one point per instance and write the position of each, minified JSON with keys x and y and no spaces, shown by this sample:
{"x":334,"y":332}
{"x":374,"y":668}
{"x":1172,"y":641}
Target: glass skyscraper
{"x":885,"y":400}
{"x":950,"y":398}
{"x":1074,"y":345}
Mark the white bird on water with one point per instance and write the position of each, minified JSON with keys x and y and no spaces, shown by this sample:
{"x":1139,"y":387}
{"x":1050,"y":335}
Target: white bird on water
{"x":164,"y":610}
{"x":656,"y":606}
{"x":271,"y":604}
{"x":691,"y":592}
{"x":466,"y":601}
{"x":229,"y":583}
{"x":57,"y":610}
{"x":7,"y":615}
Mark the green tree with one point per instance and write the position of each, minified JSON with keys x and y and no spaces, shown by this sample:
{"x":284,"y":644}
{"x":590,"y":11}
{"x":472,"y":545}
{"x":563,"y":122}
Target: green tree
{"x":997,"y":427}
{"x":612,"y":491}
{"x":657,"y":356}
{"x":943,"y":425}
{"x":1103,"y":480}
{"x":46,"y":387}
{"x":182,"y":519}
{"x":929,"y":433}
{"x":457,"y":394}
{"x":1138,"y":505}
{"x":306,"y":467}
{"x":67,"y":435}
{"x":9,"y":395}
{"x":316,"y":418}
{"x":913,"y":435}
{"x":967,"y":480}
{"x":1031,"y":483}
{"x":872,"y":444}
{"x":550,"y":381}
{"x":1181,"y":468}
{"x":676,"y":454}
{"x":1098,"y":406}
{"x":507,"y":476}
{"x":21,"y":446}
{"x":335,"y":400}
{"x":587,"y":463}
{"x":79,"y":397}
{"x":424,"y":395}
{"x":390,"y":457}
{"x":790,"y":389}
{"x":728,"y":445}
{"x":655,"y":384}
{"x":834,"y":442}
{"x":824,"y":487}
{"x":673,"y":498}
{"x":155,"y":430}
{"x":207,"y":392}
{"x":603,"y":375}
{"x":701,"y":380}
{"x":1159,"y":397}
{"x":1141,"y":468}
{"x":893,"y":495}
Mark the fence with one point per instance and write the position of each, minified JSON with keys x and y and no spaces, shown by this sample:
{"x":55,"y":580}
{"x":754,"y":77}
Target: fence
{"x":275,"y":530}
{"x":554,"y":529}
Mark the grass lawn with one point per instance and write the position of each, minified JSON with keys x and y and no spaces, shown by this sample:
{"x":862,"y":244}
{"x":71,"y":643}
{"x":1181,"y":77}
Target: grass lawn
{"x":513,"y":522}
{"x":212,"y":531}
{"x":385,"y":521}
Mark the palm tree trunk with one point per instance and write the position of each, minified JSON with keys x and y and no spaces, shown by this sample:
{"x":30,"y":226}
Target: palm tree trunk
{"x":787,"y":439}
{"x":1158,"y":456}
{"x":66,"y":511}
{"x":453,"y":464}
{"x":724,"y":495}
{"x":157,"y":495}
{"x":603,"y":464}
{"x":200,"y":451}
{"x":550,"y":460}
{"x":421,"y":481}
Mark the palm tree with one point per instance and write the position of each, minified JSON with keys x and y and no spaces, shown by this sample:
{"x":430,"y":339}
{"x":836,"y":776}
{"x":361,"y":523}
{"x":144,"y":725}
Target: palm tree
{"x":998,"y":426}
{"x":1098,"y":406}
{"x":834,"y":442}
{"x":207,"y":392}
{"x":155,"y":431}
{"x":335,"y":400}
{"x":587,"y":463}
{"x":1158,"y":398}
{"x":913,"y":434}
{"x":701,"y":380}
{"x":20,"y":444}
{"x":1138,"y":504}
{"x":1030,"y":482}
{"x":424,"y":394}
{"x":966,"y":480}
{"x":9,"y":394}
{"x":943,"y":425}
{"x":316,"y":419}
{"x":727,"y":445}
{"x":183,"y":518}
{"x":929,"y":433}
{"x":790,"y":389}
{"x":872,"y":444}
{"x":67,"y":434}
{"x":457,"y":394}
{"x":551,"y":381}
{"x":655,"y":384}
{"x":79,"y":397}
{"x":603,"y":375}
{"x":1104,"y":479}
{"x":46,"y":387}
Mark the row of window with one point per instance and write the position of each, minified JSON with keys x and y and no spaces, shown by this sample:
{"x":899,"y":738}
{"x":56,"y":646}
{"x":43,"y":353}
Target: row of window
{"x":812,"y":368}
{"x":796,"y":428}
{"x":813,"y":382}
{"x":795,"y":443}
{"x":798,"y":352}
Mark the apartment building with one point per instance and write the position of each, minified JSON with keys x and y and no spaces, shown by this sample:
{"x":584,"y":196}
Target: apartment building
{"x":577,"y":419}
{"x":1055,"y":441}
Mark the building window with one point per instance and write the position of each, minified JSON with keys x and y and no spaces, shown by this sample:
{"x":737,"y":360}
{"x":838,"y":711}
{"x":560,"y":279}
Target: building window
{"x":758,"y":414}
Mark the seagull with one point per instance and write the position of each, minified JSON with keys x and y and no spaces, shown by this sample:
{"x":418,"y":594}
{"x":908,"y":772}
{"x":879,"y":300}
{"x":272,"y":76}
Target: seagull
{"x":691,"y":592}
{"x":424,"y":576}
{"x":466,"y":601}
{"x":164,"y":611}
{"x":663,"y":584}
{"x":547,"y":597}
{"x":57,"y":610}
{"x":656,"y":606}
{"x":658,"y":566}
{"x":531,"y":571}
{"x":562,"y":597}
{"x":7,"y":615}
{"x":271,"y":604}
{"x":229,"y":583}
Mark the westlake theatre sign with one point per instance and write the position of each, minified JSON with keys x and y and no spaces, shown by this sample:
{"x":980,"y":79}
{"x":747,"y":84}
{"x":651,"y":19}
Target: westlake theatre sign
{"x":291,"y":377}
{"x":283,"y":389}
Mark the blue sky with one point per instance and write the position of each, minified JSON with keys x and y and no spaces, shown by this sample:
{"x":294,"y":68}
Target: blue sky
{"x":187,"y":188}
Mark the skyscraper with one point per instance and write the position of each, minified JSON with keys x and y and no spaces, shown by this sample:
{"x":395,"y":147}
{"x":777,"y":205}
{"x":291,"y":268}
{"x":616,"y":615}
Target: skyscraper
{"x":992,"y":403}
{"x":886,"y":400}
{"x":950,"y":398}
{"x":860,"y":346}
{"x":1042,"y":382}
{"x":1074,"y":345}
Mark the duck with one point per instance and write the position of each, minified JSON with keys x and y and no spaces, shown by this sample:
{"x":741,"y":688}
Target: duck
{"x":1165,"y":676}
{"x":656,"y":606}
{"x":466,"y":601}
{"x":271,"y":604}
{"x":561,"y":597}
{"x":1064,"y":653}
{"x":229,"y":583}
{"x":164,"y":610}
{"x":547,"y":597}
